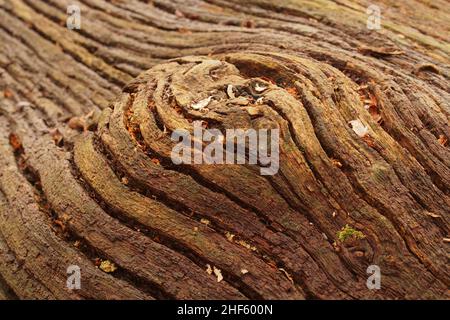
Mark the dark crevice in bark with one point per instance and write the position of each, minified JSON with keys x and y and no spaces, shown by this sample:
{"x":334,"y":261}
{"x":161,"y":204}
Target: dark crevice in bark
{"x":101,"y":72}
{"x":161,"y":238}
{"x":69,"y":235}
{"x":92,"y":253}
{"x":146,"y":190}
{"x":198,"y":178}
{"x":7,"y":290}
{"x":57,"y":83}
{"x":390,"y":129}
{"x":374,"y":203}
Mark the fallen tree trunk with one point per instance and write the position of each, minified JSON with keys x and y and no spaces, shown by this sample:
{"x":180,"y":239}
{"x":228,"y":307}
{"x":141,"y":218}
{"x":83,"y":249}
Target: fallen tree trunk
{"x":87,"y":179}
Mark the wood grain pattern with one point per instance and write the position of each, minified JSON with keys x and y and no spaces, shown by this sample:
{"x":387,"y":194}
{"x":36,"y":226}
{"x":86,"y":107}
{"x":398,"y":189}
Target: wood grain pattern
{"x":86,"y":174}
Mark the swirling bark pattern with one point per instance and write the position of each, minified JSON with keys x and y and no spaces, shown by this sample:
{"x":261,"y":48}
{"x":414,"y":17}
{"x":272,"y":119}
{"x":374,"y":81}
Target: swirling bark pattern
{"x":86,"y":173}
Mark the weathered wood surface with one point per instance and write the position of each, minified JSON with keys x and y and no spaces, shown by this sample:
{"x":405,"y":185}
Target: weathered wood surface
{"x":85,"y":169}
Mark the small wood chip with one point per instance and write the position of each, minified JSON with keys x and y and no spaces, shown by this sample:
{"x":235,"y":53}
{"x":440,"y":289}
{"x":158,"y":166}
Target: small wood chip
{"x":359,"y":254}
{"x":260,"y":100}
{"x":336,"y":163}
{"x":209,"y":270}
{"x":179,"y":14}
{"x":218,"y":274}
{"x":358,"y":127}
{"x":287,"y":274}
{"x":230,"y":91}
{"x":244,"y":271}
{"x":205,"y":221}
{"x":259,"y":87}
{"x":201,"y":104}
{"x":22,"y":104}
{"x":76,"y":123}
{"x":433,"y":215}
{"x":246,"y":245}
{"x":229,"y":236}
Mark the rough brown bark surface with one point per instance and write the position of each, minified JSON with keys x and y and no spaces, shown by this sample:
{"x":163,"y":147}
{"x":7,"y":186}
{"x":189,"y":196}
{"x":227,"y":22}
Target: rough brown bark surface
{"x":86,"y":174}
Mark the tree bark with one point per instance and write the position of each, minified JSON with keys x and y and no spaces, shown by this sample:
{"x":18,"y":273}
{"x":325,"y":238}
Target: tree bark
{"x":86,"y":176}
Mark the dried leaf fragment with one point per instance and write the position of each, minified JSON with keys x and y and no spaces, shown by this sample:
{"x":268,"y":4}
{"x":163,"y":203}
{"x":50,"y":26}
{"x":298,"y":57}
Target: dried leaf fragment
{"x":369,"y":140}
{"x":205,"y":221}
{"x":7,"y":93}
{"x":442,"y":140}
{"x":107,"y":266}
{"x":292,"y":91}
{"x":15,"y":142}
{"x":373,"y":109}
{"x":244,"y":271}
{"x":209,"y":270}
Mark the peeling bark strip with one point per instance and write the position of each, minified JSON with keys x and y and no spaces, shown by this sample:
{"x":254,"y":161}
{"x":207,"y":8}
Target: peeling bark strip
{"x":86,"y":176}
